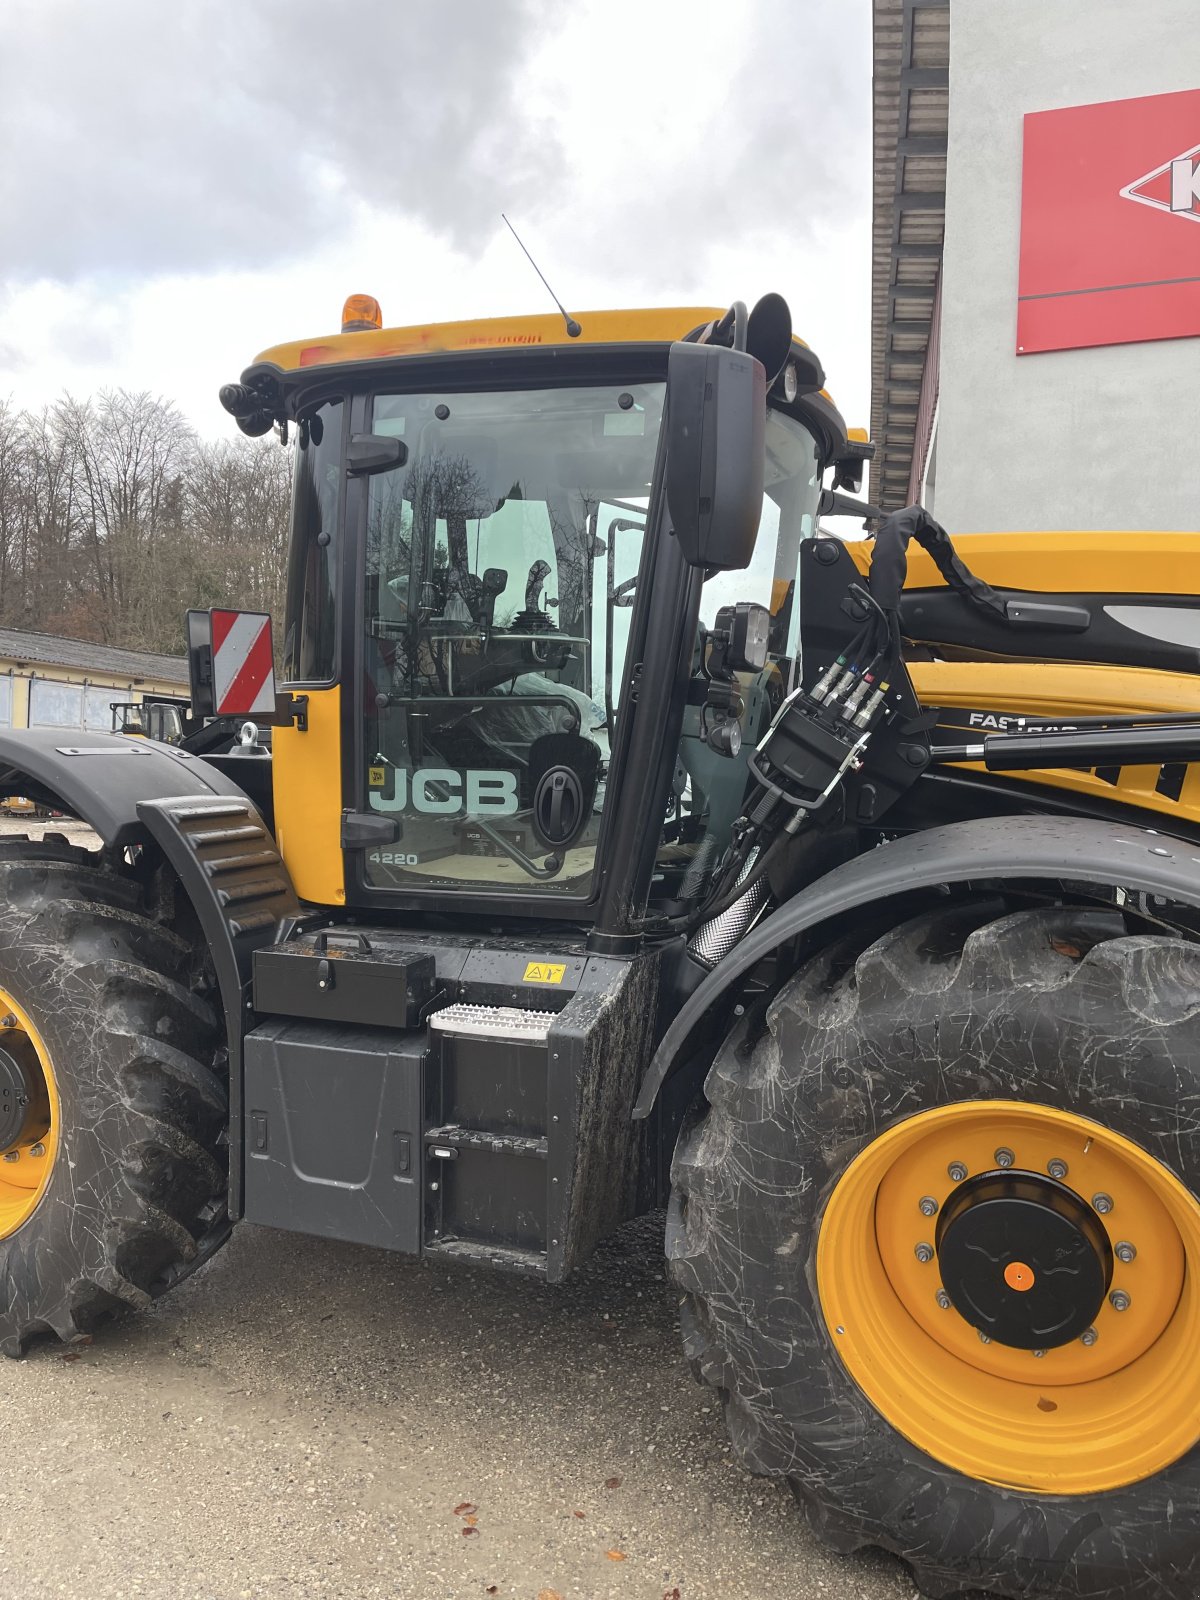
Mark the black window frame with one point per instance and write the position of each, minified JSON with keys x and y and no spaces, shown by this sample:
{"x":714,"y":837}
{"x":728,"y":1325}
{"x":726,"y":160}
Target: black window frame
{"x":595,"y":365}
{"x":309,"y":401}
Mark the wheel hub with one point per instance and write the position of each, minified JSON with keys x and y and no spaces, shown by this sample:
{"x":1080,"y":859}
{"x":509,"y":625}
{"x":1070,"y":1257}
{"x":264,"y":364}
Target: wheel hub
{"x":16,"y":1099}
{"x":1024,"y":1259}
{"x":926,"y":1206}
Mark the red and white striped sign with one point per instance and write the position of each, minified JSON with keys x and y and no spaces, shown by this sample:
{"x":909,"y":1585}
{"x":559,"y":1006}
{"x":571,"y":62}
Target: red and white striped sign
{"x":243,"y":663}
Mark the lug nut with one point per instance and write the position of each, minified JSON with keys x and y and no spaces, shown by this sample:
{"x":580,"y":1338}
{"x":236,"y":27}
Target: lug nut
{"x":1102,"y":1203}
{"x":1125,"y":1252}
{"x":943,"y":1299}
{"x":1119,"y":1300}
{"x":1088,"y":1337}
{"x":1057,"y":1169}
{"x":1039,"y":1354}
{"x":38,"y":1149}
{"x":1004,"y":1157}
{"x":12,"y":1155}
{"x":984,"y":1338}
{"x":924,"y":1253}
{"x":956,"y":1171}
{"x":928,"y":1206}
{"x":8,"y":1021}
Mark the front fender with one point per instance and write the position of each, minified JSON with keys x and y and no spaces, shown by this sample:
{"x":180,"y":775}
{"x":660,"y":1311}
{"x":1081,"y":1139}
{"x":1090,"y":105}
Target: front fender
{"x":102,"y":777}
{"x":1066,"y":849}
{"x":209,"y":830}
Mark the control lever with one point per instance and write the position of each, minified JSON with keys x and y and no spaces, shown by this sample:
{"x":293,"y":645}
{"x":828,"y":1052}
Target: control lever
{"x":495,"y":581}
{"x":538,"y":573}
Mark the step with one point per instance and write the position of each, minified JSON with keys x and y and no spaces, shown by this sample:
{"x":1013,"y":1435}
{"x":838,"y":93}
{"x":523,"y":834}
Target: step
{"x":500,"y":1144}
{"x":511,"y":1023}
{"x":532,"y":1263}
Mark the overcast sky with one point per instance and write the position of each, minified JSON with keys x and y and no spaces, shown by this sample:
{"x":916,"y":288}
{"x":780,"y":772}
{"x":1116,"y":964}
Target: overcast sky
{"x":185,"y":184}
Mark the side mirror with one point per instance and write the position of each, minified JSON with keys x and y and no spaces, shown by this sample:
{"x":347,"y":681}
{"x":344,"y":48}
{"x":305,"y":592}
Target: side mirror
{"x":716,"y":431}
{"x":375,"y":452}
{"x":199,"y":659}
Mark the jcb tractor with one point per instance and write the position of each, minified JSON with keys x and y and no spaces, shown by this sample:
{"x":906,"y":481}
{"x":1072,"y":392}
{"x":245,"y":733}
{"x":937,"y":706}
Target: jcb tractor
{"x":627,"y":841}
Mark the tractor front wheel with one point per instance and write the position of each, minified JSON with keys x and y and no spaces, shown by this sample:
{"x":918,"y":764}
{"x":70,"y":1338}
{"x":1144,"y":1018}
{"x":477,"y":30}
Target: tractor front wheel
{"x":112,"y":1108}
{"x":939,"y":1241}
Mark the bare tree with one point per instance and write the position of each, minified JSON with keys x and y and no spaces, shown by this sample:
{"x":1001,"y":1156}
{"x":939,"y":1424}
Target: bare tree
{"x":115,"y":519}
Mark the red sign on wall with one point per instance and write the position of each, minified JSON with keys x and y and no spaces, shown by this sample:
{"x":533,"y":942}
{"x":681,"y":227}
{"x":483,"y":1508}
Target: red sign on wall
{"x":1110,"y":223}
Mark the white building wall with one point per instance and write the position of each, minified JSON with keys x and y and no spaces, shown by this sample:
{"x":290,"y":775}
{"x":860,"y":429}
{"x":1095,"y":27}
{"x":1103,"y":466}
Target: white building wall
{"x":1104,"y":438}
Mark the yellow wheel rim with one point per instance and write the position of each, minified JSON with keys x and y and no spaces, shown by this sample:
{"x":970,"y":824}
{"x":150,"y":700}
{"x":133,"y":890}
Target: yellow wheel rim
{"x":1111,"y":1407}
{"x":26,"y":1165}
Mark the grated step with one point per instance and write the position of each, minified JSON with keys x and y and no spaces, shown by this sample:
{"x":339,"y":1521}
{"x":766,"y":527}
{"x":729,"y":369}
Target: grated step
{"x":499,"y":1144}
{"x":532,"y":1263}
{"x":512,"y":1023}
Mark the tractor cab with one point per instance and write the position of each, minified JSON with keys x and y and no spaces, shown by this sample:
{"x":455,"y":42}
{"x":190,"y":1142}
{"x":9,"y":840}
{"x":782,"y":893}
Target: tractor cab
{"x":480,"y":532}
{"x":149,"y":719}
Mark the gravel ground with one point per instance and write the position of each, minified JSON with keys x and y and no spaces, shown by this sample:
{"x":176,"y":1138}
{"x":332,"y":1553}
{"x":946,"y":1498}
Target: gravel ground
{"x":307,"y":1418}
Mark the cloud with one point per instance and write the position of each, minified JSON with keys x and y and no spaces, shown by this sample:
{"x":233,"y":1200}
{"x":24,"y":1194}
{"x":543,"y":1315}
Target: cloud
{"x":188,"y":184}
{"x":161,"y":137}
{"x":695,"y":127}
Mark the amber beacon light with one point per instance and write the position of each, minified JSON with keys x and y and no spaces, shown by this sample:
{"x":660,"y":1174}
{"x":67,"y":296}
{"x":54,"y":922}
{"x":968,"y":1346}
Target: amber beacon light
{"x":361,"y":312}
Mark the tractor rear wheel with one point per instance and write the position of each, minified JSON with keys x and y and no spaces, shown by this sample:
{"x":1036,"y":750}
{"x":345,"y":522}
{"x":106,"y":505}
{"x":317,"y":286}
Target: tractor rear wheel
{"x":939,"y":1241}
{"x":112,"y":1107}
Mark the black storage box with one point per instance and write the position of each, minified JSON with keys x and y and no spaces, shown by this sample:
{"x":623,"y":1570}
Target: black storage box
{"x":337,"y":975}
{"x":333,"y":1132}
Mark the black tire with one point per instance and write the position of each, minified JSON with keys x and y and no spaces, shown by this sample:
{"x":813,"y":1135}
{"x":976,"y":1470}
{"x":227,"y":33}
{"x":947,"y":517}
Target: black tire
{"x":136,"y":1194}
{"x":1061,"y":1006}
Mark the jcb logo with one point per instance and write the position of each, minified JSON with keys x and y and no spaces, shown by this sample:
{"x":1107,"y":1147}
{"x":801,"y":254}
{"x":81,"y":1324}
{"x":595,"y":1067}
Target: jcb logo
{"x":1174,"y":186}
{"x":443,"y":792}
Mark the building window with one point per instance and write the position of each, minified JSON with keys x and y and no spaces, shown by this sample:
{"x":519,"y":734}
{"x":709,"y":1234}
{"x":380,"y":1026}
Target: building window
{"x":97,"y":708}
{"x":55,"y":705}
{"x":5,"y":702}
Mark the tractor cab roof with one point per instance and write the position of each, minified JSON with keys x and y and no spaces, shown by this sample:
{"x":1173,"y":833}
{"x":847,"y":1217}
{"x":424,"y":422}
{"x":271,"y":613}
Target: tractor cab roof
{"x":291,"y":371}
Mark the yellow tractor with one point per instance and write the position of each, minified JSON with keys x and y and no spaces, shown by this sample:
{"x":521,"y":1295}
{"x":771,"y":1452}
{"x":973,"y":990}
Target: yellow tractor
{"x":627,"y":841}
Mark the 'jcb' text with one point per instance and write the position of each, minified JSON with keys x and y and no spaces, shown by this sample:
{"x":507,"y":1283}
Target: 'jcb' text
{"x":443,"y":792}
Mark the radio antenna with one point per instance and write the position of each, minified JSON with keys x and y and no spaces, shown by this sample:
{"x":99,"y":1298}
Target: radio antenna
{"x":573,"y":328}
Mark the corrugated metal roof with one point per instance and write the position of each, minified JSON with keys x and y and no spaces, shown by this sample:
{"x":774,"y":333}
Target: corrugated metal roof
{"x":81,"y":655}
{"x":911,"y":100}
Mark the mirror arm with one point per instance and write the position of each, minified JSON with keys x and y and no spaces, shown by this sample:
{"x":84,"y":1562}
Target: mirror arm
{"x":833,"y":504}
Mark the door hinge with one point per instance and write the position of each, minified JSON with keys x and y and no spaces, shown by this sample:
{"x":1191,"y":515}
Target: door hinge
{"x":291,"y":711}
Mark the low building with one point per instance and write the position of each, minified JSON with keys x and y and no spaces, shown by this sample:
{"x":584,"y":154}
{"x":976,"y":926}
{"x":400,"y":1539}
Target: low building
{"x":49,"y":682}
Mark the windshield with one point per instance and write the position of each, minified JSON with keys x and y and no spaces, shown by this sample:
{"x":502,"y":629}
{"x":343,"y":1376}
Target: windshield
{"x":500,"y":566}
{"x":709,"y":787}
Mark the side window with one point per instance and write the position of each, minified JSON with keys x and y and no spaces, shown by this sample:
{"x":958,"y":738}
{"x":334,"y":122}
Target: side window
{"x":97,"y":709}
{"x":710,"y":786}
{"x":309,"y":654}
{"x":498,"y":589}
{"x":55,"y":705}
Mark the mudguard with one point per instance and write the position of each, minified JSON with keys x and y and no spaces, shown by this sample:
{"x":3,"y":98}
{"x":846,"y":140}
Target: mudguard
{"x":232,"y":873}
{"x":211,"y":832}
{"x":101,"y":777}
{"x":1128,"y":861}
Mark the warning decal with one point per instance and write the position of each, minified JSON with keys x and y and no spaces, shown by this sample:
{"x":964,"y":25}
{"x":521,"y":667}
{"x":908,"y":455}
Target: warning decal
{"x":544,"y":972}
{"x":243,"y":665}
